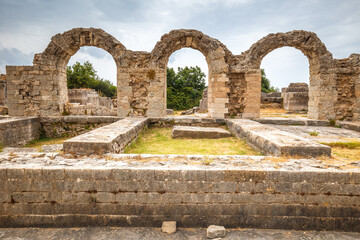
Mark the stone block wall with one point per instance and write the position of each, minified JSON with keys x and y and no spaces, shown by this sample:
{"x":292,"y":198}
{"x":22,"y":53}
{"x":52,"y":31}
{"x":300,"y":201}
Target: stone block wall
{"x":71,"y":126}
{"x":129,"y":197}
{"x":234,"y":80}
{"x":17,"y":132}
{"x":296,"y":97}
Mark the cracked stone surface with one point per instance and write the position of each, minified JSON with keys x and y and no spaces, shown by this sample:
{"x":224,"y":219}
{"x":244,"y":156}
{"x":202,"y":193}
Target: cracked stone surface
{"x":325,"y":134}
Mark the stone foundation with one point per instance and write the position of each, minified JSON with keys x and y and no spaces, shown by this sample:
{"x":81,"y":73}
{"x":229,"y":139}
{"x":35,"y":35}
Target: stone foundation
{"x":63,"y":196}
{"x":16,"y":132}
{"x":71,"y":126}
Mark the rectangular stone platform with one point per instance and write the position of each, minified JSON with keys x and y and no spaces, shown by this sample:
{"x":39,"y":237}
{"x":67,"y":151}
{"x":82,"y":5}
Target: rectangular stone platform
{"x":199,"y":132}
{"x":273,"y":141}
{"x":110,"y":138}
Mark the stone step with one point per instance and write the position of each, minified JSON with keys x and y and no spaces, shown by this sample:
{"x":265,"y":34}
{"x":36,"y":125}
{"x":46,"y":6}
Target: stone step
{"x":110,"y":138}
{"x":199,"y":132}
{"x":273,"y":141}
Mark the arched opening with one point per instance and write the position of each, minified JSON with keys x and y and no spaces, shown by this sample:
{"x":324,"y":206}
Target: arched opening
{"x":91,"y":83}
{"x":285,"y":83}
{"x":187,"y":82}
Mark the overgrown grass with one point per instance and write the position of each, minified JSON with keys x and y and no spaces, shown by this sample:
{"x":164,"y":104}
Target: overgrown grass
{"x":38,"y":143}
{"x":159,"y":141}
{"x":348,"y":145}
{"x":346,"y":150}
{"x":1,"y":147}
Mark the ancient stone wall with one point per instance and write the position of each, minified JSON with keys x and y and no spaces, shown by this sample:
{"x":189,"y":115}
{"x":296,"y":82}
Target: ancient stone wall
{"x":71,"y":126}
{"x":16,"y":132}
{"x":88,"y":102}
{"x":348,"y":88}
{"x":2,"y":90}
{"x":234,"y":80}
{"x":70,"y":197}
{"x":296,"y":97}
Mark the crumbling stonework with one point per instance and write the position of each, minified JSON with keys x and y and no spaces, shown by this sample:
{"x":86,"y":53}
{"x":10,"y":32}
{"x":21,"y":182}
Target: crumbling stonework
{"x":271,"y":100}
{"x":234,"y":80}
{"x":88,"y":102}
{"x":296,"y":97}
{"x":3,"y":107}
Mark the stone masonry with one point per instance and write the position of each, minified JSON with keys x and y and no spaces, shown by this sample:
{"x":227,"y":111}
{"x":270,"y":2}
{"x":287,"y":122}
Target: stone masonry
{"x":18,"y":131}
{"x":40,"y":195}
{"x":296,"y":97}
{"x":234,"y":80}
{"x":2,"y":90}
{"x":203,"y":106}
{"x":88,"y":102}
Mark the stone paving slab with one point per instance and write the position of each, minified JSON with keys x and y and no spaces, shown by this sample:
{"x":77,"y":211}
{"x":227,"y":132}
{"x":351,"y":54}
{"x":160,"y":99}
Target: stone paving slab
{"x":270,"y":140}
{"x":110,"y":138}
{"x":292,"y":121}
{"x":137,"y":233}
{"x":355,"y":126}
{"x":199,"y":132}
{"x":324,"y":134}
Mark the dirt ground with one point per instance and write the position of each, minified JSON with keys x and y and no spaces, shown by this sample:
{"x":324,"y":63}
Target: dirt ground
{"x":109,"y":233}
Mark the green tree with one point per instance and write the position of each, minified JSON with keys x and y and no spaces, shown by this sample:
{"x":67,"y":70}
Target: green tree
{"x":265,"y":84}
{"x":184,"y":88}
{"x":84,"y":76}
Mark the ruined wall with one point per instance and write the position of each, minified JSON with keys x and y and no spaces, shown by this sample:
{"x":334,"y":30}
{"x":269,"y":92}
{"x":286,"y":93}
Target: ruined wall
{"x":2,"y":90}
{"x":88,"y":102}
{"x":17,"y":132}
{"x":296,"y":97}
{"x":67,"y":197}
{"x":348,"y":88}
{"x":234,"y":80}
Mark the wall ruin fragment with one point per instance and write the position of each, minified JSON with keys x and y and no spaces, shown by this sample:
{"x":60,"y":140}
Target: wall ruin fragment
{"x":234,"y":80}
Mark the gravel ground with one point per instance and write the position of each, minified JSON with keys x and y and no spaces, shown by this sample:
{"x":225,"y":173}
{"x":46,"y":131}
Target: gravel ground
{"x":109,"y":233}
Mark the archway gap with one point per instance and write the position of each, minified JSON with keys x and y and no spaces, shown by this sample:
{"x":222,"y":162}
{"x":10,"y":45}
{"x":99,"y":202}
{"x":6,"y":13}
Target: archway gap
{"x":189,"y":57}
{"x":286,"y":65}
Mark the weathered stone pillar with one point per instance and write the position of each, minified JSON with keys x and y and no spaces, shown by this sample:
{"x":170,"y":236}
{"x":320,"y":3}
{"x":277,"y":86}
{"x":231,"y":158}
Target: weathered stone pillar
{"x":252,"y":94}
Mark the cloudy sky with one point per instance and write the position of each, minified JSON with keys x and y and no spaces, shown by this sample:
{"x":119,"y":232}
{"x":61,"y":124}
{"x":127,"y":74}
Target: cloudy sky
{"x":26,"y":27}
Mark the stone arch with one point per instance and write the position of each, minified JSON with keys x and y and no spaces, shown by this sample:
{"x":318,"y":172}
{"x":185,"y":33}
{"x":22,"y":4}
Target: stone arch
{"x":320,"y":64}
{"x":59,"y":51}
{"x":63,"y":46}
{"x":217,"y":57}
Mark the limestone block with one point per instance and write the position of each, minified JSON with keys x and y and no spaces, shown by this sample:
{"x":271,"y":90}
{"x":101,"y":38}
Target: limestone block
{"x":199,"y":132}
{"x":214,"y":231}
{"x":169,"y":227}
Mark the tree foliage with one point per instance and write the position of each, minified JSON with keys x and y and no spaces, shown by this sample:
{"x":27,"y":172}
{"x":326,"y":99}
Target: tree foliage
{"x":184,"y":88}
{"x":265,"y":84}
{"x":84,"y":76}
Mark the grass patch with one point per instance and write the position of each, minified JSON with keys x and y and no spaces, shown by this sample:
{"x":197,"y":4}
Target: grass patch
{"x":347,"y":145}
{"x":38,"y":143}
{"x":1,"y":147}
{"x":314,"y":133}
{"x":159,"y":141}
{"x":345,"y":150}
